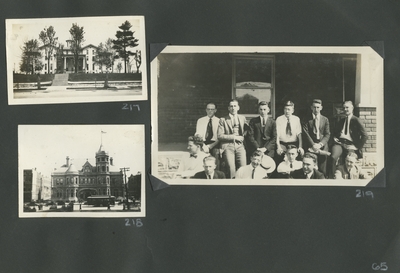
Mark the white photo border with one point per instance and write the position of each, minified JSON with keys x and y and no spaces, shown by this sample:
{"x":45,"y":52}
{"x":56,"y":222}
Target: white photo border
{"x":372,"y":78}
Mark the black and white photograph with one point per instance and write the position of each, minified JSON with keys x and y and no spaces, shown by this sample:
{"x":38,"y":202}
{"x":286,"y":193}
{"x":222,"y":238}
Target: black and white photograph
{"x":76,"y":59}
{"x":267,"y":115}
{"x":81,"y":170}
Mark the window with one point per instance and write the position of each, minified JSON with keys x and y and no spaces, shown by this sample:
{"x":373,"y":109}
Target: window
{"x":103,"y":168}
{"x":108,"y":181}
{"x":253,"y":81}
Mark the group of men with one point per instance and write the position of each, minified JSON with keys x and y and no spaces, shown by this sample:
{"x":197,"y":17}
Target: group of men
{"x":231,"y":147}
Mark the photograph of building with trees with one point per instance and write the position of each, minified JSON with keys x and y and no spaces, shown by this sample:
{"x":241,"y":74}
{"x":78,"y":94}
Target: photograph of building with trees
{"x":94,"y":58}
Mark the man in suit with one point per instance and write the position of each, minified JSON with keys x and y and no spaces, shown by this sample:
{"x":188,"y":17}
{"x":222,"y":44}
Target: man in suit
{"x":261,"y":165}
{"x":262,"y":134}
{"x":209,"y":164}
{"x":207,"y":128}
{"x":231,"y":131}
{"x":309,"y":170}
{"x":349,"y":170}
{"x":350,"y":136}
{"x":317,"y":134}
{"x":288,"y":132}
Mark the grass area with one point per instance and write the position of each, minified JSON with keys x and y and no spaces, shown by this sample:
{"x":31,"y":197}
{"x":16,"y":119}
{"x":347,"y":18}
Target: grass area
{"x":82,"y":77}
{"x":22,"y":78}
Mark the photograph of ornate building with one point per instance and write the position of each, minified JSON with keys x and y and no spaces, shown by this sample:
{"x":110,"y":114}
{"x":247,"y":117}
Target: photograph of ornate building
{"x":74,"y":183}
{"x":85,"y":170}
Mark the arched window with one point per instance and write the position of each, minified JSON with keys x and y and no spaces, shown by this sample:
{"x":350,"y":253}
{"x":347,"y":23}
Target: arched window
{"x":108,"y":181}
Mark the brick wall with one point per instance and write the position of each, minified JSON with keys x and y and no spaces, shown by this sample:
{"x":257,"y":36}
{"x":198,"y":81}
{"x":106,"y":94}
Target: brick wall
{"x":368,"y":116}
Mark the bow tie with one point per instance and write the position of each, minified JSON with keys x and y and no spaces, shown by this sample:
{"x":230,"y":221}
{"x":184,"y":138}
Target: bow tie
{"x":195,"y":156}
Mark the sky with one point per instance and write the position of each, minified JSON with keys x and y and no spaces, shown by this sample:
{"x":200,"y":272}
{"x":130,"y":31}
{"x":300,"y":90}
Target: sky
{"x":46,"y":147}
{"x":97,"y":30}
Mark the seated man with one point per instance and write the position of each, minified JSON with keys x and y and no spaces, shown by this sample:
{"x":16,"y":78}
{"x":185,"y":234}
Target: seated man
{"x":288,"y":131}
{"x":290,"y":163}
{"x":309,"y":170}
{"x":350,"y":136}
{"x":262,"y":133}
{"x":317,"y":134}
{"x":259,"y":168}
{"x":209,"y":170}
{"x":193,"y":162}
{"x":349,"y":170}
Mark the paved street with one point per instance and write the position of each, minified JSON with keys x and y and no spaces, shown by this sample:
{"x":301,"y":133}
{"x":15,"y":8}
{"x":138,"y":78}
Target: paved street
{"x":75,"y":93}
{"x":85,"y":208}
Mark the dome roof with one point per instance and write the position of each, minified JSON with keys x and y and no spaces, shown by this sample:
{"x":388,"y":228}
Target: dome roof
{"x":72,"y":169}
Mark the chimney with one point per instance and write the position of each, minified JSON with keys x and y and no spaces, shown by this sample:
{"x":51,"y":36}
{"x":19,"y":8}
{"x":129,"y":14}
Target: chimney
{"x":111,"y":161}
{"x":67,"y":161}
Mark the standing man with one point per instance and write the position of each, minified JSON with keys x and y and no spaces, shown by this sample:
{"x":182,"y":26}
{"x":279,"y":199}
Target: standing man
{"x":207,"y":128}
{"x":231,"y":130}
{"x":259,"y":168}
{"x":263,"y":131}
{"x":309,"y":170}
{"x":350,"y":136}
{"x":288,"y":130}
{"x":209,"y":170}
{"x":317,"y":134}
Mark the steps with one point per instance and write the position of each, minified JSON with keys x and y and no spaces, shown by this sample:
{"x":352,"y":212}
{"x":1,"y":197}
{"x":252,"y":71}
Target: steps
{"x":60,"y":80}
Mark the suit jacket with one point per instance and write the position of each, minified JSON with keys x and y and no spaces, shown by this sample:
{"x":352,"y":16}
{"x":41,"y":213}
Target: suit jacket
{"x":217,"y":175}
{"x":260,"y":137}
{"x":324,"y":132}
{"x":356,"y":174}
{"x":356,"y":130}
{"x":299,"y":174}
{"x":225,"y":130}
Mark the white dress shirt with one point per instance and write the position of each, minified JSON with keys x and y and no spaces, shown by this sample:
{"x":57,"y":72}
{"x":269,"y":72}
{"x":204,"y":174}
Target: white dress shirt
{"x":295,"y":125}
{"x":342,"y":134}
{"x":201,"y":127}
{"x":246,"y":172}
{"x":192,"y":165}
{"x":284,"y":166}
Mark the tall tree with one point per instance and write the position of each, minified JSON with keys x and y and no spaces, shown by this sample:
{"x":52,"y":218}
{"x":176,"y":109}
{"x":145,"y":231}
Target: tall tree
{"x":49,"y":40}
{"x":77,"y":37}
{"x":30,"y":60}
{"x":104,"y":58}
{"x":124,"y":41}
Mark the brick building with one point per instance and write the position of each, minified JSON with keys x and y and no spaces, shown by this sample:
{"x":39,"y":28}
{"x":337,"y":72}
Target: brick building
{"x":188,"y":81}
{"x":102,"y":178}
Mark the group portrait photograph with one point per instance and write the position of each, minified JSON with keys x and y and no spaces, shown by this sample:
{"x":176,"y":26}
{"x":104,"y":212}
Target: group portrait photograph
{"x":267,"y":116}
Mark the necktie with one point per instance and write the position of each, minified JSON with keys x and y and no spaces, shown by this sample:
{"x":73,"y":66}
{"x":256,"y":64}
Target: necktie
{"x":263,"y":122}
{"x":315,"y":127}
{"x":252,"y":174}
{"x":208,"y":176}
{"x":195,"y":156}
{"x":291,"y":165}
{"x":209,"y":133}
{"x":346,"y":124}
{"x":288,"y":128}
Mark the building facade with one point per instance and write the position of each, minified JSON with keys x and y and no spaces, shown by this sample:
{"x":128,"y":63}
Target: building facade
{"x":135,"y":186}
{"x":62,"y":60}
{"x":103,"y":178}
{"x":36,"y":186}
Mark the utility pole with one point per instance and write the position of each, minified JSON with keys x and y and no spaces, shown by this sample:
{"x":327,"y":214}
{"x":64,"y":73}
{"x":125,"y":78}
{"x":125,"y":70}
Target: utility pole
{"x":126,"y":186}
